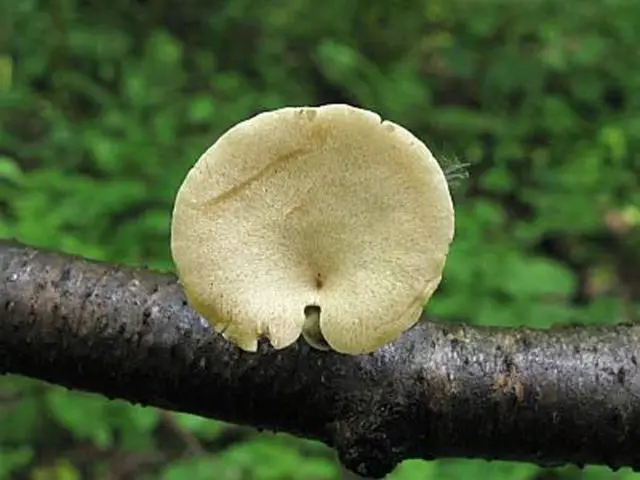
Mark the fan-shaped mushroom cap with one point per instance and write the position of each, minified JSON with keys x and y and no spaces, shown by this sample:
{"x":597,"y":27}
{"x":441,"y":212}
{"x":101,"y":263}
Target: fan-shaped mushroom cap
{"x":324,"y":214}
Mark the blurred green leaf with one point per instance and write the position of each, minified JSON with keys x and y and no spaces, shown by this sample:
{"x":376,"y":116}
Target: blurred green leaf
{"x":84,"y":416}
{"x":9,"y":170}
{"x":20,"y":418}
{"x":413,"y":469}
{"x":272,"y":458}
{"x":14,"y":459}
{"x":200,"y":468}
{"x":201,"y":109}
{"x":534,"y":277}
{"x":62,"y":470}
{"x":202,"y":427}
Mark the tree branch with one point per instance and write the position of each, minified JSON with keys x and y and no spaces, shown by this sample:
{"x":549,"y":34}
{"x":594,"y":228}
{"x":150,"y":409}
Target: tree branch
{"x":563,"y":395}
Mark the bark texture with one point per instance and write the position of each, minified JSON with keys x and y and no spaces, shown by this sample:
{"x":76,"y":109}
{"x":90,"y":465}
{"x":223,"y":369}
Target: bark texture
{"x":564,"y":395}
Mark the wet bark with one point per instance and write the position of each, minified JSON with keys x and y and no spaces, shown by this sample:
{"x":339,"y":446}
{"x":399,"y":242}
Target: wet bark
{"x":563,"y":395}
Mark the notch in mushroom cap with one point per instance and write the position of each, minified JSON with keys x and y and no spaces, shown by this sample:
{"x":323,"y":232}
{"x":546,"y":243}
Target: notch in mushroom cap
{"x":324,"y":221}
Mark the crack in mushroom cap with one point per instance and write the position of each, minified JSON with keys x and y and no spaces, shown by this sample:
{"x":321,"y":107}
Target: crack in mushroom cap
{"x":326,"y":207}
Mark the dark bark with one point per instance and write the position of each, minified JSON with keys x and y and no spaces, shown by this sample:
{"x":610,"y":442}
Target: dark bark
{"x":563,"y":395}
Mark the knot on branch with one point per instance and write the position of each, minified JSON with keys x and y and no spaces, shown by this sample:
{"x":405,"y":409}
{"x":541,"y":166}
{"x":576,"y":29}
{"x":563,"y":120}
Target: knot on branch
{"x":368,"y":454}
{"x":373,"y":435}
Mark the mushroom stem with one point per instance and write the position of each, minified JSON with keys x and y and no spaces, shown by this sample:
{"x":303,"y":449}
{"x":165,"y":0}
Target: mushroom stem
{"x":311,"y":328}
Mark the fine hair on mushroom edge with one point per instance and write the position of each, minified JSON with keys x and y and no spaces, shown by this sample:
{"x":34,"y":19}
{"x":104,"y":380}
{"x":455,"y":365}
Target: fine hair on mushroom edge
{"x":322,"y":221}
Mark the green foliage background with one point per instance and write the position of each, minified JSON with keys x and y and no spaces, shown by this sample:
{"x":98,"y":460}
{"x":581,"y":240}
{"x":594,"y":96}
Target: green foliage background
{"x":106,"y":105}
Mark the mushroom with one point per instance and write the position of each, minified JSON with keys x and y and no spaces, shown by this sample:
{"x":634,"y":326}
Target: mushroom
{"x":321,"y":221}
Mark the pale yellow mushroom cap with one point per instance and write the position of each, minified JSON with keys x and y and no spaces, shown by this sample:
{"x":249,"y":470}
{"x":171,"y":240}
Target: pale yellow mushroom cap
{"x":320,"y":213}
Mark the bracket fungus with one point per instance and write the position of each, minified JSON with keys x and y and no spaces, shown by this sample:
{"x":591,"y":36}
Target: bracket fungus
{"x":321,"y":221}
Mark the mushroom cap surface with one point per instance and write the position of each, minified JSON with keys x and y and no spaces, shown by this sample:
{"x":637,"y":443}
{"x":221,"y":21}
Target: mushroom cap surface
{"x":327,"y":210}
